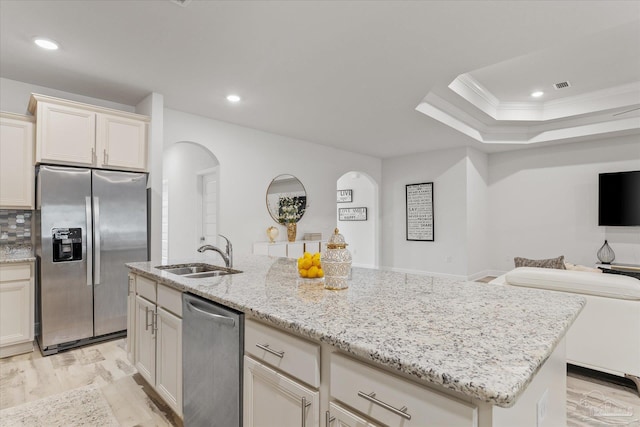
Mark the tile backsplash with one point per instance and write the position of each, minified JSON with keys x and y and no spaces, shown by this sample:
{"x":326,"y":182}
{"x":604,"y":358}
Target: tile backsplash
{"x":15,"y":227}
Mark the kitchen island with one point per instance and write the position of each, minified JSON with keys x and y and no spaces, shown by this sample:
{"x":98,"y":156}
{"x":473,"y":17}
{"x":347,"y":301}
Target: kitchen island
{"x":498,"y":349}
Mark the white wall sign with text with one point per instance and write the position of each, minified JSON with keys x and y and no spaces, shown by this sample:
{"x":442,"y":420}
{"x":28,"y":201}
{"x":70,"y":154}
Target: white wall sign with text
{"x":352,"y":214}
{"x":420,"y":211}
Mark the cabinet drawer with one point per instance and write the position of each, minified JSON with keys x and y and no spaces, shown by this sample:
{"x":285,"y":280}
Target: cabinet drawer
{"x":170,"y":298}
{"x":351,"y":379}
{"x":295,"y":356}
{"x":11,"y":272}
{"x":146,"y":288}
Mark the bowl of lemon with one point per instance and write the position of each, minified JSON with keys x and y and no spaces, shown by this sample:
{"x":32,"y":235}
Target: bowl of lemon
{"x":310,"y":266}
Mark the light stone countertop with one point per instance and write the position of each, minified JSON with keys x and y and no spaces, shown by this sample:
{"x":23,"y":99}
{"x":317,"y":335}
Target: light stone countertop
{"x":16,"y":253}
{"x":484,"y":341}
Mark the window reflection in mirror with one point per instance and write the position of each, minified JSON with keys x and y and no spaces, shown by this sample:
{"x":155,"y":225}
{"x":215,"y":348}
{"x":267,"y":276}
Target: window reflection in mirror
{"x":286,"y":199}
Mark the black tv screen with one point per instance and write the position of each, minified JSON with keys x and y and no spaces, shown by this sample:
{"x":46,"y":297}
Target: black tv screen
{"x":619,"y":199}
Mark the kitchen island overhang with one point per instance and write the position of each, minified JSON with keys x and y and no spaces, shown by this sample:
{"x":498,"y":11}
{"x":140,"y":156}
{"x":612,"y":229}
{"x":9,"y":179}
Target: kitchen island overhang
{"x":483,"y":342}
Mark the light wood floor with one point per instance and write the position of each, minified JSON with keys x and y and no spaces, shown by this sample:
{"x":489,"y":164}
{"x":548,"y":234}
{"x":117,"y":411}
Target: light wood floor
{"x":29,"y":377}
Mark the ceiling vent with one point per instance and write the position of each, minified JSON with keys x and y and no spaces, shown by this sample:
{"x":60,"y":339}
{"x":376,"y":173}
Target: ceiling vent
{"x":183,"y":3}
{"x":561,"y":85}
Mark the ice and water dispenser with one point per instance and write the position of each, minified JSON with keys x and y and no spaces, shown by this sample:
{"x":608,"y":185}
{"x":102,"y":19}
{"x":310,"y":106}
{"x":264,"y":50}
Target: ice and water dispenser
{"x":67,"y":244}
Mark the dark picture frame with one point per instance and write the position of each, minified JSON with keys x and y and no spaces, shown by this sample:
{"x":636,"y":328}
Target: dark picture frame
{"x":344,"y":196}
{"x":419,"y":212}
{"x":352,"y":214}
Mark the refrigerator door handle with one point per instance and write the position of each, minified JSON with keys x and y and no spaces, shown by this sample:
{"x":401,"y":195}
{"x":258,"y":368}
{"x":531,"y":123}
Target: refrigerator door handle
{"x":89,"y":238}
{"x":96,"y":235}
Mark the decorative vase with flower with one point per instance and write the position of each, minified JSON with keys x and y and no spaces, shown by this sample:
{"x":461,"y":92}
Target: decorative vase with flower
{"x":290,"y":210}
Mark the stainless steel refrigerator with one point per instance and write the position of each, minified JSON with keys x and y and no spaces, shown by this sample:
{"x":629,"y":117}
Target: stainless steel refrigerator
{"x":88,"y":224}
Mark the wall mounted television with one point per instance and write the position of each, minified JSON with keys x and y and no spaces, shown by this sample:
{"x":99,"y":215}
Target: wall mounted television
{"x":619,"y":199}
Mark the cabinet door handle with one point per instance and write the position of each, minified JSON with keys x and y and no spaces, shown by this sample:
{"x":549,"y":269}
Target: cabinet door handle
{"x":266,"y":348}
{"x":328,"y":419}
{"x":105,"y":157}
{"x":303,"y":406}
{"x":130,"y":287}
{"x":371,"y":397}
{"x":93,"y":156}
{"x":154,"y":322}
{"x":146,"y":318}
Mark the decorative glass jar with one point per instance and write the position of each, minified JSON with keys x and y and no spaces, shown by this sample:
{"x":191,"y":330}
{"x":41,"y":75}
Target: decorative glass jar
{"x":336,"y":263}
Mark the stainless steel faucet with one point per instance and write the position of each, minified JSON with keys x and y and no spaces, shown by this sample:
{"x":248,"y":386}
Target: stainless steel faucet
{"x":226,"y":256}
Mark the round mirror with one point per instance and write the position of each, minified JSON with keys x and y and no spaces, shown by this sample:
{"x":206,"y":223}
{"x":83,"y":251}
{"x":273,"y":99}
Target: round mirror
{"x":286,"y":199}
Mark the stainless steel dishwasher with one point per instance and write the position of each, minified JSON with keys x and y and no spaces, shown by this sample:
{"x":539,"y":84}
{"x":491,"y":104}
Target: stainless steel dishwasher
{"x":212,"y":351}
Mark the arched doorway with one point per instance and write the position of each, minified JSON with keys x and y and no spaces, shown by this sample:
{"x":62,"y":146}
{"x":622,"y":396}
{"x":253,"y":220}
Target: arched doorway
{"x":189,"y":199}
{"x":362,"y":236}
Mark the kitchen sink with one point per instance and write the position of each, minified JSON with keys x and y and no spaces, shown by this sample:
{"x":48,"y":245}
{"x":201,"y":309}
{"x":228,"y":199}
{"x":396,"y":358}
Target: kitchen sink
{"x":197,"y":270}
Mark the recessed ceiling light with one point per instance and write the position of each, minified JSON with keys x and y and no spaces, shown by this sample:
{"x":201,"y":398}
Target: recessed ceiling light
{"x":537,"y":94}
{"x":46,"y":43}
{"x":233,"y":98}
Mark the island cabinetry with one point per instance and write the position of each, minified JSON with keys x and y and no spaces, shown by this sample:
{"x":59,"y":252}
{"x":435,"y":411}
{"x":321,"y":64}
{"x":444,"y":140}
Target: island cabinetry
{"x":281,"y":378}
{"x":76,"y":134}
{"x":393,"y":401}
{"x":337,"y":416}
{"x":16,"y":161}
{"x":157,"y":338}
{"x":16,"y":308}
{"x":131,"y":317}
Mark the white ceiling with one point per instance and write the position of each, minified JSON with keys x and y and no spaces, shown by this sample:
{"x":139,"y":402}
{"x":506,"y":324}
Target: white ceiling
{"x":347,"y":74}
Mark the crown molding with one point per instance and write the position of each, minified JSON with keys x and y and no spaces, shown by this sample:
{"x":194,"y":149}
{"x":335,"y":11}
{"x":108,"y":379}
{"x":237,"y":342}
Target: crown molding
{"x":627,"y":95}
{"x":604,"y":124}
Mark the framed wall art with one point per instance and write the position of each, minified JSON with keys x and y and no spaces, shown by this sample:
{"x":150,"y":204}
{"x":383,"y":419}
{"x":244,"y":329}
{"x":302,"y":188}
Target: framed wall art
{"x":352,"y":214}
{"x":345,"y":196}
{"x":419,"y":199}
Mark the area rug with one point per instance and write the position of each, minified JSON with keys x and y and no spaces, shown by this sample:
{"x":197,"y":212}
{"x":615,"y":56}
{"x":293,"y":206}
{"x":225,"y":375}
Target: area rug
{"x":84,"y":406}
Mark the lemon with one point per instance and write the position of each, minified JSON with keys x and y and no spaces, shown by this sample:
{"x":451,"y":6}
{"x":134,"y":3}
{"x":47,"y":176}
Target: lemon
{"x":300,"y":261}
{"x":306,"y":263}
{"x":303,"y":272}
{"x":316,"y":262}
{"x":320,"y":273}
{"x":306,"y":255}
{"x":313,"y":271}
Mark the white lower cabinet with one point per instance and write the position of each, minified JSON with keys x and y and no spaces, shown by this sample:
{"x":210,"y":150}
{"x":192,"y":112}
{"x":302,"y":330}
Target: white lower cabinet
{"x":393,"y":401}
{"x":131,"y":318}
{"x":16,"y":308}
{"x":341,"y":417}
{"x":158,"y":339}
{"x":169,"y":359}
{"x":145,"y":338}
{"x":272,"y":399}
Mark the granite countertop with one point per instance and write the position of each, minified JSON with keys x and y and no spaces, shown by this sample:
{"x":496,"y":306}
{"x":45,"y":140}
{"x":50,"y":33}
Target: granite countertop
{"x":16,"y":253}
{"x":484,"y":341}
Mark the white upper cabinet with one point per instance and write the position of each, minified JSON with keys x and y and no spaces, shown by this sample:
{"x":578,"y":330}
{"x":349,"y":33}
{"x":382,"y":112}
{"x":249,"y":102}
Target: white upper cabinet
{"x":65,"y":135}
{"x":16,"y":161}
{"x":76,"y":134}
{"x":121,"y":142}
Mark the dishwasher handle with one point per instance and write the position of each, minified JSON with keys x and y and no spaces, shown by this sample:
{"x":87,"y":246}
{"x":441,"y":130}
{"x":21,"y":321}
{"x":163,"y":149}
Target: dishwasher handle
{"x":213,"y":316}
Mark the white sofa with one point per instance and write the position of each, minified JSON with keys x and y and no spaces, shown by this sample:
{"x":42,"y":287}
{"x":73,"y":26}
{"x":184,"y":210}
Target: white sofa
{"x":606,"y":334}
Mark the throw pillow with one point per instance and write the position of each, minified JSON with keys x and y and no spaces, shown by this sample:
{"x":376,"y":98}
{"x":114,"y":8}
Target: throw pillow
{"x":578,"y":267}
{"x":541,"y":263}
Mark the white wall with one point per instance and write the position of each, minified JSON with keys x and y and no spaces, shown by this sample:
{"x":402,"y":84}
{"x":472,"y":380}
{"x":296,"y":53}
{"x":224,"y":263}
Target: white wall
{"x":182,"y":162}
{"x":543,"y":202}
{"x":14,"y":97}
{"x":361,"y":236}
{"x":478,"y":244}
{"x":447,"y":254}
{"x":249,"y":159}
